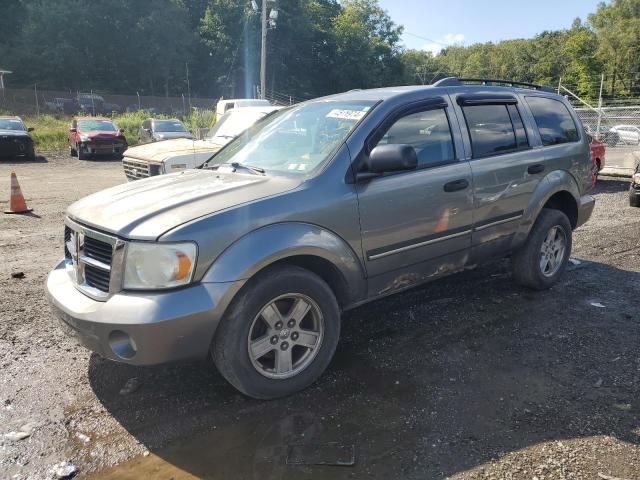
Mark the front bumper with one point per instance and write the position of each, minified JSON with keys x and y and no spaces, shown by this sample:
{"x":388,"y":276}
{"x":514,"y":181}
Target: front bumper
{"x":103,"y":148}
{"x":141,"y":328}
{"x":585,"y":209}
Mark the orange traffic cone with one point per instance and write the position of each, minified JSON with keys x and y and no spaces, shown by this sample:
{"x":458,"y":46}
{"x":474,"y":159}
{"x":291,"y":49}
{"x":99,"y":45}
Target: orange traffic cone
{"x":16,"y":201}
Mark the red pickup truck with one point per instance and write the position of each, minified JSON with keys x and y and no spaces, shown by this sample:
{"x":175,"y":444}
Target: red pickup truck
{"x":95,"y":136}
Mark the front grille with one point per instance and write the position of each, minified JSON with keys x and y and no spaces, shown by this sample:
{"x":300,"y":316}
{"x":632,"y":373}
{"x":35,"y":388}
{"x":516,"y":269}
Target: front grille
{"x":134,"y":169}
{"x":89,"y":257}
{"x":97,"y":278}
{"x":98,"y":250}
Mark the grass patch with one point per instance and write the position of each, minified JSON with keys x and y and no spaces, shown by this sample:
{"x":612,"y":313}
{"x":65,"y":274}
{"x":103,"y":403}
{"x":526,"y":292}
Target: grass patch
{"x":50,"y":132}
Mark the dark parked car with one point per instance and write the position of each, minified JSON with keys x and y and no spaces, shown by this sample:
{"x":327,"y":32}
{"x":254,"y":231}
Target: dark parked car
{"x":634,"y":188}
{"x":156,"y":129}
{"x":317,"y":209}
{"x":15,"y":140}
{"x":91,"y":103}
{"x":95,"y":136}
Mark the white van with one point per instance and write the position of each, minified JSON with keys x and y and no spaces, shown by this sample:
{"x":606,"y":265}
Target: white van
{"x":224,"y":106}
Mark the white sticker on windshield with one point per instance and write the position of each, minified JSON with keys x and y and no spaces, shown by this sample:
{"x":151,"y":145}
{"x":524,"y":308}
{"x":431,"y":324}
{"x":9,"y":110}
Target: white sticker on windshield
{"x":346,"y":114}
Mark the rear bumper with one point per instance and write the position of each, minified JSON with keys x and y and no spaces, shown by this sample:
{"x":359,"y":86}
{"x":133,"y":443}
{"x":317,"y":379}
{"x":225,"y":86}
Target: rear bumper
{"x":586,"y":203}
{"x":141,"y":328}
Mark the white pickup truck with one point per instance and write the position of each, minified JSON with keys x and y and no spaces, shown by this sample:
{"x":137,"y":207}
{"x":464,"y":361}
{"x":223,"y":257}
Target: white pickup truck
{"x":174,"y":155}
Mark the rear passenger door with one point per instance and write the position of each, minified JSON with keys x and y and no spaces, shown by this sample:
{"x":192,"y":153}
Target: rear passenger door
{"x":506,"y":169}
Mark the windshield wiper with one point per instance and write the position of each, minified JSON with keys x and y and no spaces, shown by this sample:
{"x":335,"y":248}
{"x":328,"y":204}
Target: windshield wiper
{"x":238,"y":166}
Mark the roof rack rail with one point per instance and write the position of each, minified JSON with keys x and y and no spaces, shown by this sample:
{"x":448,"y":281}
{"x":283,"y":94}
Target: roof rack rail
{"x":455,"y":81}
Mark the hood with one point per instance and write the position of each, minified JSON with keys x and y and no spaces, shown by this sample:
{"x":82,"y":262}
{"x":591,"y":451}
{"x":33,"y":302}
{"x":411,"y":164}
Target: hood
{"x":14,"y":133}
{"x":99,"y":134}
{"x":147,"y":208}
{"x":160,"y":151}
{"x":171,"y":135}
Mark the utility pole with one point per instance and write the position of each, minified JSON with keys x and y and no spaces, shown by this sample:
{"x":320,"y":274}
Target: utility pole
{"x":186,"y":66}
{"x":599,"y":108}
{"x":263,"y":52}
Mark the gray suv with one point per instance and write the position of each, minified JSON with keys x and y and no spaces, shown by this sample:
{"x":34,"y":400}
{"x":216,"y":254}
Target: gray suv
{"x":316,"y":209}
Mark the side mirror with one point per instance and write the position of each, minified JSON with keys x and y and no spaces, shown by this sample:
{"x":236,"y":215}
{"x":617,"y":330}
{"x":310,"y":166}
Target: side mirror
{"x":73,"y":130}
{"x":30,"y":129}
{"x":121,"y":131}
{"x":390,"y":158}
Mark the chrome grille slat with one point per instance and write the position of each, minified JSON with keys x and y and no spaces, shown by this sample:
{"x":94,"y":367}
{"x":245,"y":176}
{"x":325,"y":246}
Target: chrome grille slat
{"x":134,"y":169}
{"x":89,"y":259}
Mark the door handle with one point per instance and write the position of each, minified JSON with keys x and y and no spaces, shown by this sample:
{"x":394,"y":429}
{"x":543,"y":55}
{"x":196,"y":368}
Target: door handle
{"x":456,"y":185}
{"x":537,"y":168}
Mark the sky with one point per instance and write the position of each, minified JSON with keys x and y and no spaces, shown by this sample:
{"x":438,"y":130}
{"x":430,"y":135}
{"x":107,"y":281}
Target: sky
{"x":434,"y":24}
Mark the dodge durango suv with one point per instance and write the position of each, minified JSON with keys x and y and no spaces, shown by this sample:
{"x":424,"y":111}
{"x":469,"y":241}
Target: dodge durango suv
{"x":317,"y":209}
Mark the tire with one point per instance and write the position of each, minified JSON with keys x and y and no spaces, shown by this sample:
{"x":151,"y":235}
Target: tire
{"x":81,"y":155}
{"x":244,"y":325}
{"x":527,"y":261}
{"x":634,"y":198}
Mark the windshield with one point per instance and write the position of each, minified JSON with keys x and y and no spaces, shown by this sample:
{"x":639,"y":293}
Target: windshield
{"x":295,"y":140}
{"x":168,"y":126}
{"x":233,"y":124}
{"x":97,"y":126}
{"x":11,"y":124}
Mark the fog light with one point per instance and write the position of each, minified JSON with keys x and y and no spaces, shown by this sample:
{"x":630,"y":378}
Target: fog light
{"x":122,"y":344}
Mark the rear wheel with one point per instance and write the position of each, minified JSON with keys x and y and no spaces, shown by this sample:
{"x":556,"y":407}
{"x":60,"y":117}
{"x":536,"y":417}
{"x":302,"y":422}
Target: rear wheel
{"x":543,"y":258}
{"x":279,"y":334}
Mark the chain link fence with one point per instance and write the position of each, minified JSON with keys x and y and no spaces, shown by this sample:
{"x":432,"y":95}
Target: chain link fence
{"x":35,"y":102}
{"x":617,"y":127}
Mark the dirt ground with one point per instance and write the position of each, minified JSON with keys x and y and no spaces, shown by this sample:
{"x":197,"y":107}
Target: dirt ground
{"x":467,"y":378}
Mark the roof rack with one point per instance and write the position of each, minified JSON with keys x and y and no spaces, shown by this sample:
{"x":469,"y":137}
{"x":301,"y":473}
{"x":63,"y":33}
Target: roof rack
{"x":455,"y":81}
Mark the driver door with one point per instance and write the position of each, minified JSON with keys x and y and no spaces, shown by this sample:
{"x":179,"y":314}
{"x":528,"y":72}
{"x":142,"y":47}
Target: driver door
{"x":417,"y":224}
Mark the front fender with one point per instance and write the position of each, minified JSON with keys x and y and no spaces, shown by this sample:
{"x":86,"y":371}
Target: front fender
{"x":554,"y":182}
{"x":266,"y":245}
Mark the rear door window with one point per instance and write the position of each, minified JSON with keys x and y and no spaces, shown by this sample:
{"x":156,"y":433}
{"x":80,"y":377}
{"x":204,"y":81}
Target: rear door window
{"x":554,"y":121}
{"x":492,"y":130}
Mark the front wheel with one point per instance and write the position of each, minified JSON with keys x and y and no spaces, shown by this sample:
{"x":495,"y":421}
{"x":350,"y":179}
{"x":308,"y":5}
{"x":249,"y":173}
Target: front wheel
{"x":82,"y":155}
{"x":542,"y":260}
{"x":279,"y":334}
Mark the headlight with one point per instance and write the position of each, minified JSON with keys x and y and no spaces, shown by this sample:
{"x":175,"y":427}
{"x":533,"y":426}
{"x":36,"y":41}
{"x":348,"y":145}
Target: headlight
{"x":84,"y":138}
{"x":158,"y":265}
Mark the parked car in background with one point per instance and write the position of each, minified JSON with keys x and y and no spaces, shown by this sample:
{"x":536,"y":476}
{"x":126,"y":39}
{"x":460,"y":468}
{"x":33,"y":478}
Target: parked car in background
{"x":62,"y":105}
{"x":597,"y":150}
{"x":604,"y":134}
{"x":15,"y":140}
{"x":91,"y":103}
{"x":156,"y":129}
{"x":171,"y":156}
{"x":224,"y":106}
{"x":95,"y":136}
{"x":627,"y":134}
{"x":319,"y":208}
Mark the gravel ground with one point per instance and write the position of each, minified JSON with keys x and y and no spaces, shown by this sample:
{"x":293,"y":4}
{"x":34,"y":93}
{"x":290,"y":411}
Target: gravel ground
{"x":470,"y":377}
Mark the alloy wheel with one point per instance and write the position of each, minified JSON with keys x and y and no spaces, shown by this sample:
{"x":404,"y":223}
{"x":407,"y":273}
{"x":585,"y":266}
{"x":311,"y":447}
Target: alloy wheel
{"x":285,"y":337}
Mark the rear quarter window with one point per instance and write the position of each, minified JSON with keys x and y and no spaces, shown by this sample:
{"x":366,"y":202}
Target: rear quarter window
{"x":555,"y":123}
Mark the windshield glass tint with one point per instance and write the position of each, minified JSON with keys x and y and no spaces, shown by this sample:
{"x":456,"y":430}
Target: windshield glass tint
{"x":168,"y":126}
{"x":96,"y":126}
{"x":234,"y":123}
{"x":295,"y":140}
{"x":11,"y":124}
